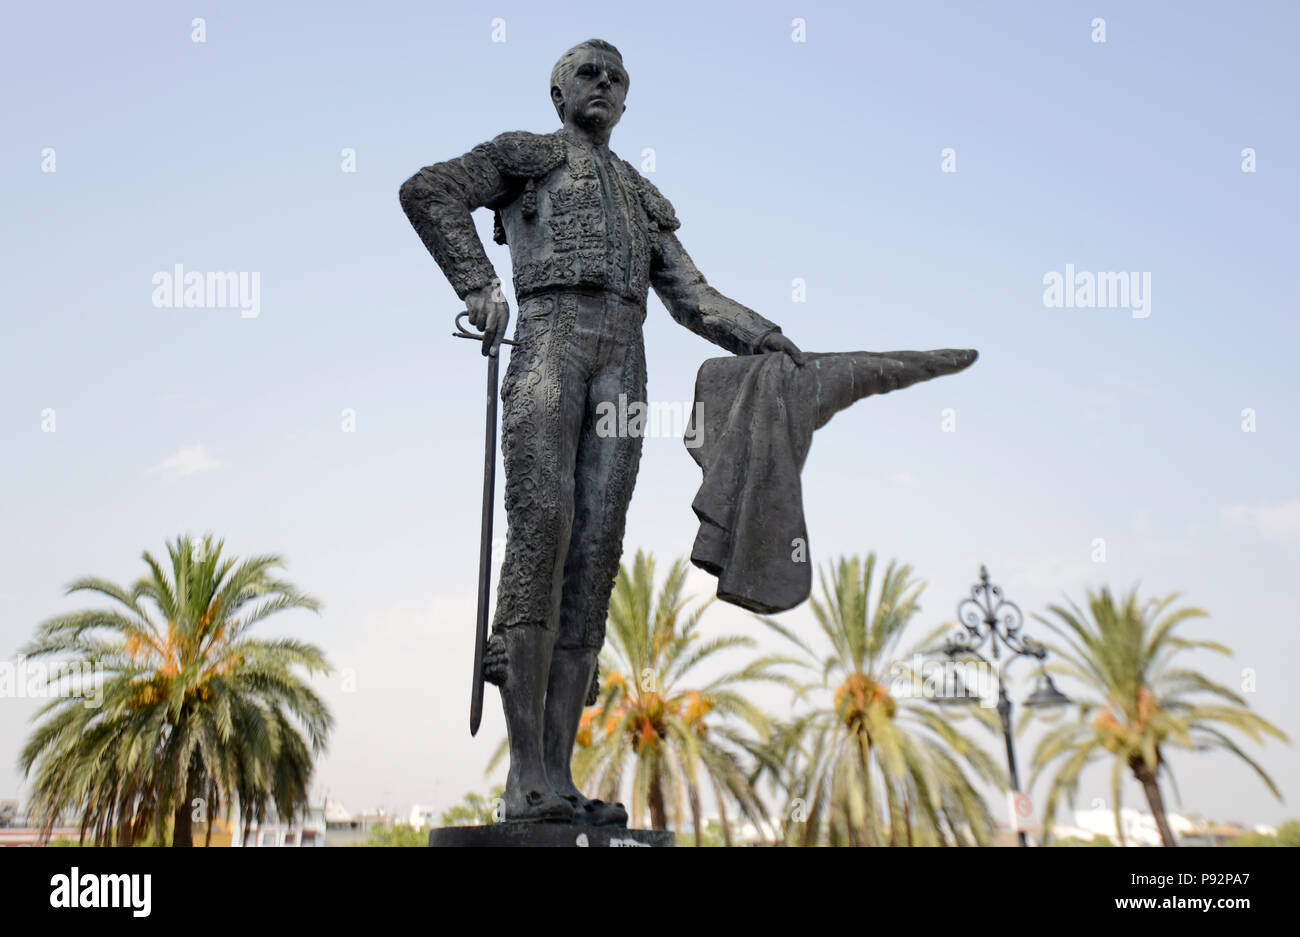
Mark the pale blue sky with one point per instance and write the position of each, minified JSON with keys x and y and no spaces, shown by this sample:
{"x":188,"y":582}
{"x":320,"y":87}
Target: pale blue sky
{"x":818,"y":160}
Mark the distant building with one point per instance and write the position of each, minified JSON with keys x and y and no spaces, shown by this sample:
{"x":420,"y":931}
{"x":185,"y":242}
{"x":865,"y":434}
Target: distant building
{"x":16,"y":829}
{"x":31,"y":836}
{"x":423,"y":817}
{"x":1140,"y":828}
{"x":1219,"y":834}
{"x":308,"y":830}
{"x":346,"y":829}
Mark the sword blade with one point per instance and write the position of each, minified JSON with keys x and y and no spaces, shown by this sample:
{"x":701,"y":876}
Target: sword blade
{"x":485,"y":544}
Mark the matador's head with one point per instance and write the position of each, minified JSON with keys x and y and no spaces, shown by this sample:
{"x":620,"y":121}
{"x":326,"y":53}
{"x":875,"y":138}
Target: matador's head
{"x":589,"y":85}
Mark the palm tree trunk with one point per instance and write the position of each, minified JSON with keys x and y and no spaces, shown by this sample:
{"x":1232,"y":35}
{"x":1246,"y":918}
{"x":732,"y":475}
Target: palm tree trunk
{"x":212,"y":801}
{"x":183,"y":818}
{"x":124,"y":829}
{"x":870,"y":835}
{"x":658,"y":812}
{"x":140,"y":827}
{"x":811,"y":824}
{"x":126,"y":817}
{"x":183,"y":823}
{"x":1151,"y":787}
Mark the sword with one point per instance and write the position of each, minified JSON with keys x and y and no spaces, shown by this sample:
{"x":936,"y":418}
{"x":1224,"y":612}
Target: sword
{"x":485,"y":539}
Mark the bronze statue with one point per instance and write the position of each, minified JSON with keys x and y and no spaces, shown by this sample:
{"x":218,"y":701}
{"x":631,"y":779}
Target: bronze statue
{"x":588,"y":237}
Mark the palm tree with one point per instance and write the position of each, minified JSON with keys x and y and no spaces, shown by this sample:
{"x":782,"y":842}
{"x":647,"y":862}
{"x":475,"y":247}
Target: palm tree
{"x":191,"y":707}
{"x":864,"y":765}
{"x":673,"y":735}
{"x":1146,"y":704}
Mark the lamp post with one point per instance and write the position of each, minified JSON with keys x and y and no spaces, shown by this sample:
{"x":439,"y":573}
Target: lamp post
{"x":988,"y":618}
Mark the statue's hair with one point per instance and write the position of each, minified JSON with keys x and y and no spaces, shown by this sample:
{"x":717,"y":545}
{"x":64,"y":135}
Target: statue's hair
{"x":564,"y":67}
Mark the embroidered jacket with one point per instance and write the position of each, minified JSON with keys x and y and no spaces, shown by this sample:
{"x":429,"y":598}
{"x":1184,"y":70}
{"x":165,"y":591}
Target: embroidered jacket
{"x":573,"y":215}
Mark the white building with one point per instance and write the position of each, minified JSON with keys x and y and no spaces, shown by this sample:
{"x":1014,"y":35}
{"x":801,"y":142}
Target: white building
{"x":423,"y":817}
{"x":1139,"y":828}
{"x":308,"y":831}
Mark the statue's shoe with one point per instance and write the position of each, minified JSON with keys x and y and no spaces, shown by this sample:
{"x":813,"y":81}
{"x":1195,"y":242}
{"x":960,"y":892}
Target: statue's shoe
{"x":596,"y":812}
{"x":541,"y":807}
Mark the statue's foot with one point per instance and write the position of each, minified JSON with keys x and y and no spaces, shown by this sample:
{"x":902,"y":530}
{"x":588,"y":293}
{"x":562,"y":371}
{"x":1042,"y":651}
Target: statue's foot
{"x":536,"y":807}
{"x":596,"y":812}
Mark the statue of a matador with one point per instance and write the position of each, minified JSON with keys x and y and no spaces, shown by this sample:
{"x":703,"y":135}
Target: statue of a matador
{"x":588,"y":237}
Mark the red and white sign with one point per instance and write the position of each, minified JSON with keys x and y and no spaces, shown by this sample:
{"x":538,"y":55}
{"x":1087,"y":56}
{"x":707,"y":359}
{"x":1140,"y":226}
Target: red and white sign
{"x":1021,"y":806}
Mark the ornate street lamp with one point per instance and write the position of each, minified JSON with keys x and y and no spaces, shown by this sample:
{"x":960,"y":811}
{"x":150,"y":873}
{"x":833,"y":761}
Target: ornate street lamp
{"x":988,"y":618}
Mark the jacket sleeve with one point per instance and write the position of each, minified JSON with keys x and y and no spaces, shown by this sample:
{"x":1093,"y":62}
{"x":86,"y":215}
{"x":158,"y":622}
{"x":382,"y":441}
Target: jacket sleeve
{"x":439,"y":200}
{"x":692,"y":302}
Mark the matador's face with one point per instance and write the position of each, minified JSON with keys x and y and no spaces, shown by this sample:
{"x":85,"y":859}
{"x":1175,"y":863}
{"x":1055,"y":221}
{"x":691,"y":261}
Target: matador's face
{"x":594,"y":94}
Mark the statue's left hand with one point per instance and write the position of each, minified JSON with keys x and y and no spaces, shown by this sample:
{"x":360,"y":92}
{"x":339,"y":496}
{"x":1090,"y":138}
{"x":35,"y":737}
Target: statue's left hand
{"x":778,"y":342}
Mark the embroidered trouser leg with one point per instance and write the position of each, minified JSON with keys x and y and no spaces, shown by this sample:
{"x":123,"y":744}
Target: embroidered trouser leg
{"x":578,"y":363}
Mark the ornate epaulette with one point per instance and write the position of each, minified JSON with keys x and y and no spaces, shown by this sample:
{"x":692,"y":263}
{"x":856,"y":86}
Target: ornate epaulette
{"x":526,"y":155}
{"x":656,"y":206}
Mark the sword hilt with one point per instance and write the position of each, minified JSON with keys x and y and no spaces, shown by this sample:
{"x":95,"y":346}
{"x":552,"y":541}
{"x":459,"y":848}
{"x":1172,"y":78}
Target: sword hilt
{"x":462,"y":332}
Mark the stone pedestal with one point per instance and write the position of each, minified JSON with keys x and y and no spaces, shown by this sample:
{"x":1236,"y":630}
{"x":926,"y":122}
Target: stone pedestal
{"x":548,"y":834}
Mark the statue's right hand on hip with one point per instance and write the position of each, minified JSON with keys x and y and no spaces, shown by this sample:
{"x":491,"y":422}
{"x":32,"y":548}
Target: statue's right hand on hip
{"x":489,"y":313}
